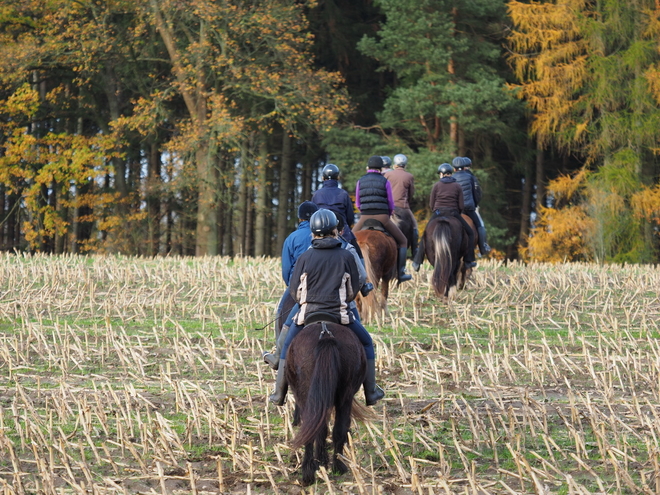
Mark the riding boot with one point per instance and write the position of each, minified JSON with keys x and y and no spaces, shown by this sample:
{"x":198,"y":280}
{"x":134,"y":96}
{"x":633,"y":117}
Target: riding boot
{"x":372,"y":392}
{"x":484,"y":248}
{"x":414,"y":243}
{"x":402,"y":275}
{"x":419,"y":256}
{"x":281,"y":386}
{"x":273,"y":359}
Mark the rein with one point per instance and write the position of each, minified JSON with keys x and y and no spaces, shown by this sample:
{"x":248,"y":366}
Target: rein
{"x":274,"y":319}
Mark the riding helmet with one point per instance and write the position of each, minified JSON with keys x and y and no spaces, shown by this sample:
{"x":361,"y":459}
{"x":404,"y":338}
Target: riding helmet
{"x":331,"y":171}
{"x":400,"y":160}
{"x":323,"y":222}
{"x":457,"y":162}
{"x":375,"y":162}
{"x":387,"y":161}
{"x":445,"y":168}
{"x":467,"y":162}
{"x":306,"y":210}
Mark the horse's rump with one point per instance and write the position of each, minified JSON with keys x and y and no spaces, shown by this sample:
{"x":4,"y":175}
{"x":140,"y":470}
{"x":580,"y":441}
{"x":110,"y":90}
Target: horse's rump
{"x":325,"y":367}
{"x":405,"y":220}
{"x":380,"y":255}
{"x":322,"y":357}
{"x":444,"y":250}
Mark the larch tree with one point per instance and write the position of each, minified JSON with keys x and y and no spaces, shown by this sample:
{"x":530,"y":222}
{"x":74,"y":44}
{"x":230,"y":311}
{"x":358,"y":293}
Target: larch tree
{"x":585,"y":69}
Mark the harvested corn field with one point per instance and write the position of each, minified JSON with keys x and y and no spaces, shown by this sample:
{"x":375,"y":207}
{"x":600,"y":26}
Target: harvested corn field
{"x":127,"y":375}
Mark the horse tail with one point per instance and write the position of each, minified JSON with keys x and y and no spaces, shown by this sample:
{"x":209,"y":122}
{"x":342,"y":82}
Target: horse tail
{"x":322,"y":391}
{"x":368,"y":304}
{"x":443,"y":257}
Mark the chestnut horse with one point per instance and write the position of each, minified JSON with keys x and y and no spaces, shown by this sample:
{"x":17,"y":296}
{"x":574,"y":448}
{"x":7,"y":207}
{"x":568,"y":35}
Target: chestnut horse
{"x":445,"y":245}
{"x":380,"y":253}
{"x":325,"y":368}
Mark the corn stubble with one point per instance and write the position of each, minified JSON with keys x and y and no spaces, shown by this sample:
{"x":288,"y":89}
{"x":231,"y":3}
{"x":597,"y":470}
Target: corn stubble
{"x":125,"y":375}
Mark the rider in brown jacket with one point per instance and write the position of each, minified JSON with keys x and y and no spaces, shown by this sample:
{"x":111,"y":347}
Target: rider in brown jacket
{"x":403,"y":189}
{"x":447,"y":200}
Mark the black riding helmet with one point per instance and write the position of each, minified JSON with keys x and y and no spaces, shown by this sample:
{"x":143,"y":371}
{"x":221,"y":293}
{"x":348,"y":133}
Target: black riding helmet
{"x":331,"y":171}
{"x":445,"y":168}
{"x":323,"y":222}
{"x":375,"y":162}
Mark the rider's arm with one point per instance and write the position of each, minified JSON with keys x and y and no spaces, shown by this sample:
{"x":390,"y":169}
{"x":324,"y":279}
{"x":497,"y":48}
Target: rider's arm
{"x":287,"y":260}
{"x":461,"y":202}
{"x":390,"y":198}
{"x":357,"y":195}
{"x":348,"y":206}
{"x":411,"y":190}
{"x":360,"y":267}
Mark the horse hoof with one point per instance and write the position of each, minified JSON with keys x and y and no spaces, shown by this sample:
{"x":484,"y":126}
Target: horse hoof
{"x":471,"y":264}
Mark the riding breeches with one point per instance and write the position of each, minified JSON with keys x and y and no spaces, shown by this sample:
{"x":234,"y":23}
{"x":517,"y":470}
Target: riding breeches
{"x":360,"y":332}
{"x":389,"y":225}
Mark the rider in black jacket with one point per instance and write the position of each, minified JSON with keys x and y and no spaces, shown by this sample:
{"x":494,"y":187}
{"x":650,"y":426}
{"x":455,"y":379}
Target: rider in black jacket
{"x":326,"y":279}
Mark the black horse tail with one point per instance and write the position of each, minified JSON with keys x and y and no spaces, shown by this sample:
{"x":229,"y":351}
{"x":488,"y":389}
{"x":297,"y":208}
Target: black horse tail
{"x":443,"y":257}
{"x":322,"y":391}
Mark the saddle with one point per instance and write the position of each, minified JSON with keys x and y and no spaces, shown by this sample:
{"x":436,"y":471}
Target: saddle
{"x":318,"y":316}
{"x":373,"y":224}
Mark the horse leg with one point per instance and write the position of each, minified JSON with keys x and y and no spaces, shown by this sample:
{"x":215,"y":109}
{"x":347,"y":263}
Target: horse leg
{"x":296,"y":416}
{"x":322,"y":446}
{"x":384,"y":292}
{"x":309,"y":465}
{"x":340,"y":433}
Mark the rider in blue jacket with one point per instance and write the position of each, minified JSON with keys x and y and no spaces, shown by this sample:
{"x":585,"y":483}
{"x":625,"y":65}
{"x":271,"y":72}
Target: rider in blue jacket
{"x":295,"y":244}
{"x":331,"y":197}
{"x":471,"y":198}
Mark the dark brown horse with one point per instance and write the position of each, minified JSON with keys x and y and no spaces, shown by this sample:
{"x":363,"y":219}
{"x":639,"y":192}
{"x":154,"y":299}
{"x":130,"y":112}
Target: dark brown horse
{"x":403,"y":218}
{"x":325,"y":367}
{"x":380,"y":253}
{"x":445,"y":245}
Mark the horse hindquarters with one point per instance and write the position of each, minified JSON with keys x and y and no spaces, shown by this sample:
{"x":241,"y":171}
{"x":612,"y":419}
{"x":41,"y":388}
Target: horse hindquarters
{"x":320,"y":400}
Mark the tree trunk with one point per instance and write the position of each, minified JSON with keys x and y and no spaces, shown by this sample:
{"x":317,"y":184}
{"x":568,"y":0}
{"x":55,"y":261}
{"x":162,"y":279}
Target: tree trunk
{"x":3,"y":217}
{"x":207,"y":234}
{"x":462,"y":151}
{"x":249,"y":222}
{"x":153,"y":198}
{"x":283,"y":195}
{"x":526,"y":208}
{"x":241,"y":217}
{"x":60,"y":196}
{"x":262,"y":199}
{"x":112,"y":94}
{"x":540,"y":176}
{"x":307,"y":180}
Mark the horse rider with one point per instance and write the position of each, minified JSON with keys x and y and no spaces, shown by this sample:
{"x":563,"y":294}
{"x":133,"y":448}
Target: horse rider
{"x":447,"y":200}
{"x":326,"y":279}
{"x":403,"y":189}
{"x":471,"y":197}
{"x":373,"y":197}
{"x":294,"y":245}
{"x":337,"y":200}
{"x":387,"y":164}
{"x":273,"y":359}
